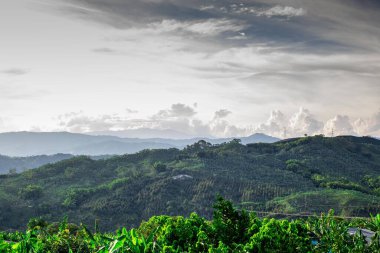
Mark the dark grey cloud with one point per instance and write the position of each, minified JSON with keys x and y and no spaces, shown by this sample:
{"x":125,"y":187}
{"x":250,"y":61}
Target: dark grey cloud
{"x":15,"y":71}
{"x":222,"y":113}
{"x":131,"y":111}
{"x":323,"y":26}
{"x":176,"y":111}
{"x":105,"y":50}
{"x":123,"y":14}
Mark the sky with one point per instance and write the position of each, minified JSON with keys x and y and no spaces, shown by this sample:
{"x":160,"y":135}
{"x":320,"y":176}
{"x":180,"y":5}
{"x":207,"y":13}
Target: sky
{"x":214,"y":68}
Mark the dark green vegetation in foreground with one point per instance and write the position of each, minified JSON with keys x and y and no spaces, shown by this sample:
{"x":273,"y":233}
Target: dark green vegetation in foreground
{"x":229,"y":231}
{"x":311,"y":174}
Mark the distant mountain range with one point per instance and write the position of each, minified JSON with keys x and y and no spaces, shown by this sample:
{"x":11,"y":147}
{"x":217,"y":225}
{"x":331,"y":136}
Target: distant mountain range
{"x":146,"y":133}
{"x":10,"y":165}
{"x":49,"y":143}
{"x":23,"y":163}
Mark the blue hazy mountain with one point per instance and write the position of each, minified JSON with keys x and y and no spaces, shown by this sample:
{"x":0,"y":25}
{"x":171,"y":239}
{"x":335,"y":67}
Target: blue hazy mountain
{"x":18,"y":164}
{"x":49,"y":143}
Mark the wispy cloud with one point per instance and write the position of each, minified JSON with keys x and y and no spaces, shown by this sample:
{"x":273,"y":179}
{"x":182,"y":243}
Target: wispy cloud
{"x":14,"y":71}
{"x":208,"y":27}
{"x":283,"y":11}
{"x":275,"y":11}
{"x":105,"y":50}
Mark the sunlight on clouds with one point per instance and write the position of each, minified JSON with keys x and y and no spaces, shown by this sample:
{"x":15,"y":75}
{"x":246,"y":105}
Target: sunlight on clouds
{"x":339,"y":125}
{"x":286,"y":11}
{"x":210,"y":27}
{"x":368,"y":126}
{"x":182,"y":118}
{"x":303,"y":122}
{"x":276,"y":11}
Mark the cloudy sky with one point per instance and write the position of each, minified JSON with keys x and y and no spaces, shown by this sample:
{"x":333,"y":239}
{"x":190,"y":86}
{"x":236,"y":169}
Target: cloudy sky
{"x":201,"y":68}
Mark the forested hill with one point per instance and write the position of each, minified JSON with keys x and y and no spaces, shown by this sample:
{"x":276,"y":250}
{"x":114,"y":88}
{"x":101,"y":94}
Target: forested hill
{"x":303,"y":175}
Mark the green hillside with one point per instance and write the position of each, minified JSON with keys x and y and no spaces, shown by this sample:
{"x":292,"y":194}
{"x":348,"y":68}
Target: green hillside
{"x":303,"y":175}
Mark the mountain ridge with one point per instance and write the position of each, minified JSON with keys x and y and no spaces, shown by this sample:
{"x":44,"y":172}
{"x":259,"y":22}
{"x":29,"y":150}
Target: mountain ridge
{"x":49,"y":143}
{"x":302,"y":175}
{"x":19,"y":164}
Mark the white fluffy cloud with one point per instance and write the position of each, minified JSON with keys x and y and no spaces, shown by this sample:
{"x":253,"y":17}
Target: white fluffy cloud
{"x":182,"y":118}
{"x":178,"y":117}
{"x":79,"y":122}
{"x":339,"y":125}
{"x":369,"y":126}
{"x":220,"y":127}
{"x":176,"y":111}
{"x":298,"y":124}
{"x":304,"y":122}
{"x":222,"y":113}
{"x":275,"y":125}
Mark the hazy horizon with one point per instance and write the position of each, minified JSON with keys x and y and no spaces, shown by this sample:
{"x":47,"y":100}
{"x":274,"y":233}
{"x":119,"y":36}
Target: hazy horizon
{"x":147,"y":133}
{"x":201,"y":68}
{"x":141,"y":133}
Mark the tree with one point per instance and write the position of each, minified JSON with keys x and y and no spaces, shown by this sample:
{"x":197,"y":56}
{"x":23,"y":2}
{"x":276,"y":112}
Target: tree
{"x":159,"y":167}
{"x":12,"y":171}
{"x":31,"y":192}
{"x":230,"y":225}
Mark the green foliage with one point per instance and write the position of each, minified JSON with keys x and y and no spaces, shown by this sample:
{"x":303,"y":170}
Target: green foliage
{"x":300,"y":167}
{"x":37,"y":223}
{"x":279,"y":236}
{"x":31,"y":192}
{"x":159,"y":167}
{"x":373,"y":183}
{"x":231,"y":225}
{"x":351,"y":203}
{"x":332,"y":235}
{"x":230,"y":230}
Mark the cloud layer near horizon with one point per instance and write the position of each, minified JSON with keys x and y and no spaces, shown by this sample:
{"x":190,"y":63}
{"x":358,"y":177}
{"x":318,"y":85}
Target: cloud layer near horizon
{"x":182,"y":118}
